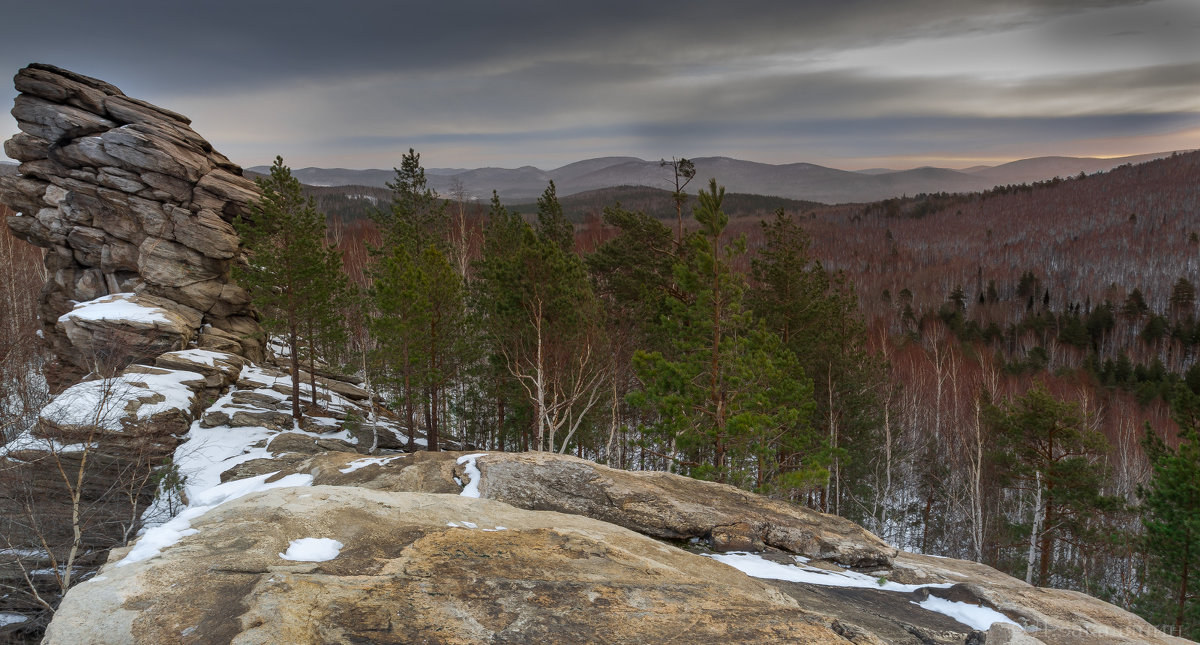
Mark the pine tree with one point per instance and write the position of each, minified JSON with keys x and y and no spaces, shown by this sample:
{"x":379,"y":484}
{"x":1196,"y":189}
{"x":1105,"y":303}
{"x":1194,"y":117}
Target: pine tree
{"x":633,"y":277}
{"x":552,"y":224}
{"x":730,"y":398}
{"x":542,"y":321}
{"x":291,"y":273}
{"x":416,"y":215}
{"x":1171,"y":516}
{"x":419,"y":301}
{"x":816,"y":315}
{"x":1046,"y":448}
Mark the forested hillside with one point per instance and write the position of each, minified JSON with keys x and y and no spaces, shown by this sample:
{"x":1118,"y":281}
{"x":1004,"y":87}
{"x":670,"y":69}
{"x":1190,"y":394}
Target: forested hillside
{"x":1007,"y":376}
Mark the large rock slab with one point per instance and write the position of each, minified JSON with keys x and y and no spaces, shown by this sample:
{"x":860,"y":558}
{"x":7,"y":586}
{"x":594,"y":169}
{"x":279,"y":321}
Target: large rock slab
{"x":423,"y":568}
{"x":112,"y":331}
{"x":140,"y":402}
{"x":219,"y":368}
{"x":1053,"y":616}
{"x":661,"y":505}
{"x":672,"y":506}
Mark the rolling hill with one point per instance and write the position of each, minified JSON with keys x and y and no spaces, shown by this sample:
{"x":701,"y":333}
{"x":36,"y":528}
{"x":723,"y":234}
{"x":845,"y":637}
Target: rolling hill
{"x":801,"y":181}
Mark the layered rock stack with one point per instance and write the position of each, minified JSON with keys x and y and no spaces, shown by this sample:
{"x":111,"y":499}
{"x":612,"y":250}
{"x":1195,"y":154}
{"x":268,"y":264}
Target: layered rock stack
{"x":129,"y":200}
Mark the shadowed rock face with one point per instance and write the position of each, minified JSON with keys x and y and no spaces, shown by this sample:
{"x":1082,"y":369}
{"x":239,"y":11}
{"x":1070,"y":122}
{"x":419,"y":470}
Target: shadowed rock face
{"x":127,"y":198}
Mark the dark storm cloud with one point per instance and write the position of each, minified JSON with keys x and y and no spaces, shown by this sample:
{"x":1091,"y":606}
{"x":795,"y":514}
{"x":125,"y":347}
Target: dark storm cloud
{"x":355,"y":83}
{"x":221,"y":43}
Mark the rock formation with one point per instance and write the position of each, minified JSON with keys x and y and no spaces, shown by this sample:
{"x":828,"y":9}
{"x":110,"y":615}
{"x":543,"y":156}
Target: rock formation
{"x":555,"y":549}
{"x":127,"y":199}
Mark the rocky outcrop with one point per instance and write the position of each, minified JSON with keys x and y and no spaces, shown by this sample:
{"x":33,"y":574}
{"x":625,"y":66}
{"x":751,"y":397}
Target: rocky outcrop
{"x":422,"y":568}
{"x":127,"y":199}
{"x":660,"y":505}
{"x":411,"y":557}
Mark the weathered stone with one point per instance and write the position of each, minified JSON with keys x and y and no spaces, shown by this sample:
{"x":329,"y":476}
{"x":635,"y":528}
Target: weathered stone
{"x":90,"y":285}
{"x":151,"y":216}
{"x":52,"y":171}
{"x":101,"y":174}
{"x":28,"y":229}
{"x":177,"y":189}
{"x":1005,"y":634}
{"x":671,"y":506}
{"x":87,"y":243}
{"x":122,"y":328}
{"x":261,"y":399}
{"x":61,"y":86}
{"x":270,"y":419}
{"x":198,"y":295}
{"x":294,"y":442}
{"x":122,"y":180}
{"x":205,"y":232}
{"x":85,"y":151}
{"x":1060,"y":616}
{"x":215,"y":339}
{"x":231,"y":300}
{"x":352,"y":392}
{"x":23,"y":194}
{"x":219,"y":368}
{"x":55,"y":122}
{"x":55,"y":195}
{"x":131,"y":110}
{"x":56,"y":227}
{"x":545,"y":577}
{"x":228,"y":186}
{"x":171,"y":264}
{"x":117,"y":256}
{"x":138,"y":402}
{"x":26,"y":147}
{"x":141,"y":149}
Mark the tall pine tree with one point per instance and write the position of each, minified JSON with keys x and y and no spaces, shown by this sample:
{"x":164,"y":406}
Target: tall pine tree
{"x":418,"y":300}
{"x":730,"y":398}
{"x":291,"y":273}
{"x":815,"y":313}
{"x":1171,"y":516}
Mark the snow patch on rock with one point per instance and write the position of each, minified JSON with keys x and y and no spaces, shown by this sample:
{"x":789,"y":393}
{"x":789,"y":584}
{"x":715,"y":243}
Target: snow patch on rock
{"x":312,"y":550}
{"x":468,"y":463}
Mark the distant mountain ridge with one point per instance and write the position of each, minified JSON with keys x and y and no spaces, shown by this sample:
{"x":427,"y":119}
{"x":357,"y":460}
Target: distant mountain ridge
{"x":802,"y":181}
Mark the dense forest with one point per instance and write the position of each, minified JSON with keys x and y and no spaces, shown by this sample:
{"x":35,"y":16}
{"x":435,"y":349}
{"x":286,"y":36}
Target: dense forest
{"x":1008,"y":377}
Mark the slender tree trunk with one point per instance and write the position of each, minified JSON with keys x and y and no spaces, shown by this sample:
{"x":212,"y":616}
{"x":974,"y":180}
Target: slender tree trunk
{"x":836,"y":494}
{"x":294,"y":362}
{"x":370,"y":402}
{"x":614,"y":409}
{"x":539,"y":406}
{"x":925,"y":521}
{"x":715,"y":393}
{"x":977,"y":485}
{"x":499,"y":421}
{"x":887,"y":464}
{"x":433,"y":433}
{"x":1183,"y":583}
{"x":1047,"y":544}
{"x":312,"y":366}
{"x":1033,"y":531}
{"x":410,"y":412}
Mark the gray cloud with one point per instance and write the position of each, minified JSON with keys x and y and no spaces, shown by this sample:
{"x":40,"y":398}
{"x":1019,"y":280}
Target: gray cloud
{"x":541,"y":81}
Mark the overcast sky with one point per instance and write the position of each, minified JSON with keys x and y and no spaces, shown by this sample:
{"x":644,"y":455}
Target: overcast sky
{"x":845,"y":83}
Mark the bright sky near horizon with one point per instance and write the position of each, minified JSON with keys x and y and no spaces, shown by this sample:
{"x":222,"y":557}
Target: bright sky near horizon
{"x":850,"y":84}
